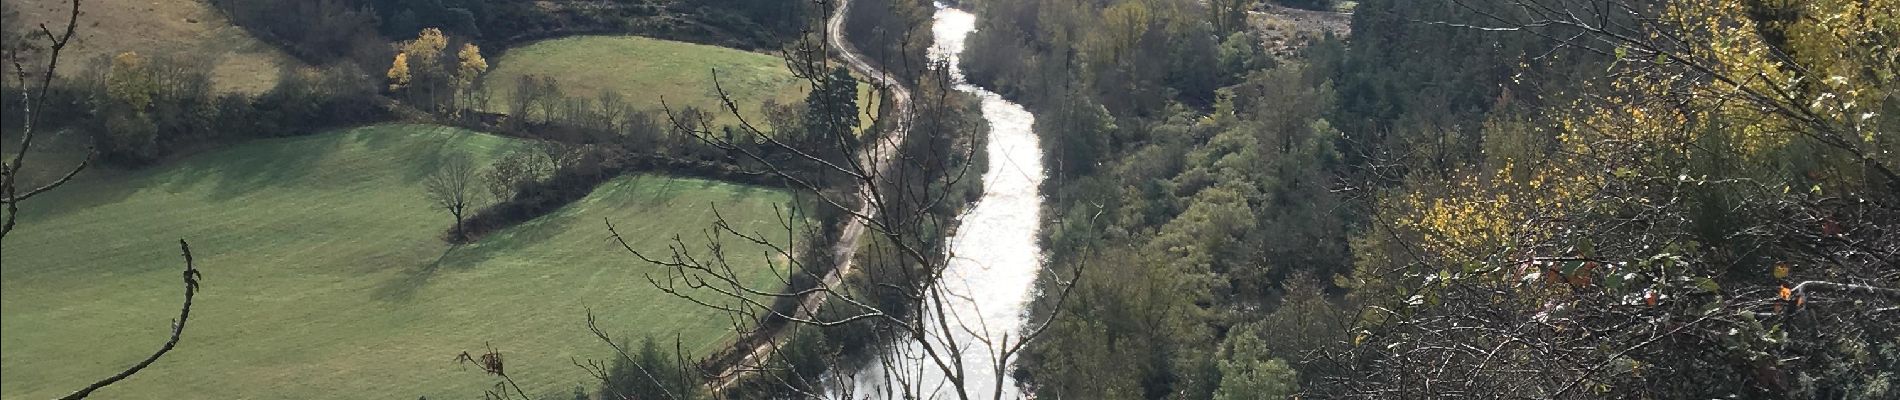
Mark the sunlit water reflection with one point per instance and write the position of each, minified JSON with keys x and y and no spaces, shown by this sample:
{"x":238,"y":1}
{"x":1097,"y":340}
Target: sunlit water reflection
{"x":995,"y":255}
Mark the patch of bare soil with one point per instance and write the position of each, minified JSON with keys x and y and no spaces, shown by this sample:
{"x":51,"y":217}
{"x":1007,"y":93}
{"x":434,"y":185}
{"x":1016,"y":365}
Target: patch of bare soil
{"x":1285,"y":30}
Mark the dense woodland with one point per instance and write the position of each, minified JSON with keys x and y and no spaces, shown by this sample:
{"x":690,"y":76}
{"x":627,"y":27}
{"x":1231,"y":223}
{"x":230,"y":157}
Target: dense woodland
{"x":1475,"y":198}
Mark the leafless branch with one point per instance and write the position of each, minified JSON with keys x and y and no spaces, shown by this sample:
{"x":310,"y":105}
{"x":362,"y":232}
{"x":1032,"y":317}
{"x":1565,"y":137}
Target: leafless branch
{"x":34,"y":100}
{"x":191,"y":278}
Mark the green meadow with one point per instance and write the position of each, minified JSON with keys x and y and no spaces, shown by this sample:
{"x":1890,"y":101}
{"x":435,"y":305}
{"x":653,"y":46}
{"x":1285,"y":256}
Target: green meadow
{"x":325,"y":275}
{"x":647,"y":71}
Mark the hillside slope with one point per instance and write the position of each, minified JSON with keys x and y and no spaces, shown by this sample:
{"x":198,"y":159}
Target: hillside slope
{"x":325,"y":277}
{"x":188,"y":29}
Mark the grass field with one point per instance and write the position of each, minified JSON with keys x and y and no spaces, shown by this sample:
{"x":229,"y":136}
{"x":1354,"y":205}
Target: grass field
{"x":187,"y":28}
{"x":647,"y":70}
{"x":324,"y":277}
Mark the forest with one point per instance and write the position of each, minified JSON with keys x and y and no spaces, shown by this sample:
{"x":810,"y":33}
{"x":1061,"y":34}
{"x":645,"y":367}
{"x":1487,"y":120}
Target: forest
{"x":1467,"y":198}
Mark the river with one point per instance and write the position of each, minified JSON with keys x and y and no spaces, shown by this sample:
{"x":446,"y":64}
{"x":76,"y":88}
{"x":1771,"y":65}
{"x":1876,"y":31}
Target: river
{"x":994,"y":255}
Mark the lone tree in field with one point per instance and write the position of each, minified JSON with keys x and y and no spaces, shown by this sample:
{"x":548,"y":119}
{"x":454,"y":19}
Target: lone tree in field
{"x":453,"y":187}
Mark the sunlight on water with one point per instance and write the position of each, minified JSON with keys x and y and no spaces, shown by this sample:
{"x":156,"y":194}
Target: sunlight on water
{"x":994,"y":254}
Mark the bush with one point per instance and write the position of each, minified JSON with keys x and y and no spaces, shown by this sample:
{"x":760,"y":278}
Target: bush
{"x":648,"y":373}
{"x":533,"y":199}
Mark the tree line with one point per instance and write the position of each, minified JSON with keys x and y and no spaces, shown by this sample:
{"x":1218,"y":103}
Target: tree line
{"x":140,"y":108}
{"x":321,"y":32}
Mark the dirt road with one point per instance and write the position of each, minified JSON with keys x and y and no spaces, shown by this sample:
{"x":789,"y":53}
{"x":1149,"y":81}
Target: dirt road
{"x":876,"y":157}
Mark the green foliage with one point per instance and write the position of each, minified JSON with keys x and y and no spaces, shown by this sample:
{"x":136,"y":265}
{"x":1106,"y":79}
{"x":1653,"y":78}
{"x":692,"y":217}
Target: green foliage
{"x":1189,"y":185}
{"x":1076,"y":134}
{"x":749,"y":24}
{"x":323,"y":31}
{"x":1305,"y":322}
{"x":1418,"y":90}
{"x":130,"y":86}
{"x":831,"y":116}
{"x":1247,"y":372}
{"x":1131,"y":57}
{"x":1124,"y":338}
{"x":1214,"y":212}
{"x":1241,"y":53}
{"x":319,"y":32}
{"x":132,"y":137}
{"x":895,"y":34}
{"x":1461,"y":189}
{"x":647,"y":372}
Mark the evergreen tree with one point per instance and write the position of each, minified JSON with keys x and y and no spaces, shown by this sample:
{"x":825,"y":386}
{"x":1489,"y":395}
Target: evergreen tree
{"x":831,"y":116}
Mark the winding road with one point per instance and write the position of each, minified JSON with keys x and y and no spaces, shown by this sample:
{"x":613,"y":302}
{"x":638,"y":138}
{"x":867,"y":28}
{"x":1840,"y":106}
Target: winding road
{"x":876,"y":157}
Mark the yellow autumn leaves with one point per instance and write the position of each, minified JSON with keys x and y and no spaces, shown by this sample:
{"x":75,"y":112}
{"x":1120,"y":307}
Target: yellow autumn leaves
{"x":1483,"y":214}
{"x":129,"y":83}
{"x":426,"y":51}
{"x":470,"y":64}
{"x":399,"y":76}
{"x":1825,"y":72}
{"x":1828,"y":67}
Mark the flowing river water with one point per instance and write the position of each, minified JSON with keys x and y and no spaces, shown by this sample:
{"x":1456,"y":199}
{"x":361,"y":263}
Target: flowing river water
{"x":994,"y":255}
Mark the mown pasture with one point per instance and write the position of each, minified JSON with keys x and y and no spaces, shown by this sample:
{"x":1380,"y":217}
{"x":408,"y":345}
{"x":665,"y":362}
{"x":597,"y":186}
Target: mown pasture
{"x":325,"y":275}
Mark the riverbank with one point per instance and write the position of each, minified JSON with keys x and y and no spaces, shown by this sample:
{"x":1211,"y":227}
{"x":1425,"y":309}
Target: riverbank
{"x":994,"y":257}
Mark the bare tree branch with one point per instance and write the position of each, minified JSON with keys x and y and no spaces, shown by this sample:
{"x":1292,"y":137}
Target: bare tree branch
{"x":34,"y":97}
{"x":191,"y":278}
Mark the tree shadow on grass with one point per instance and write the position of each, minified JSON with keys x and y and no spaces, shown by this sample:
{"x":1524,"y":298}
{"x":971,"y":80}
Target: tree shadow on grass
{"x":236,"y":171}
{"x":536,"y":238}
{"x":665,"y":193}
{"x":518,"y":240}
{"x":424,"y":154}
{"x":232,"y":172}
{"x":94,"y":187}
{"x":403,"y":288}
{"x":252,"y":167}
{"x":271,"y":163}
